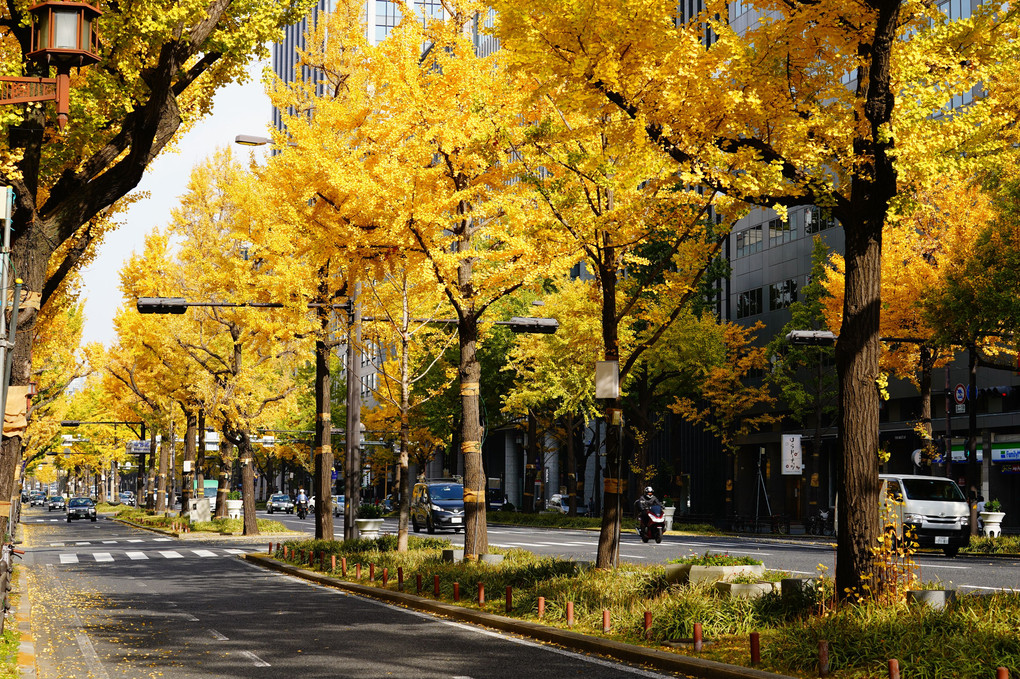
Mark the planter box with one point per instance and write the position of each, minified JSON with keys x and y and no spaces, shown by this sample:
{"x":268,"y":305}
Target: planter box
{"x":935,"y":598}
{"x":798,"y":591}
{"x":368,"y":528}
{"x":234,"y":508}
{"x":745,"y":590}
{"x":683,"y":573}
{"x":491,"y":559}
{"x":991,"y":524}
{"x":453,"y":555}
{"x":667,"y":514}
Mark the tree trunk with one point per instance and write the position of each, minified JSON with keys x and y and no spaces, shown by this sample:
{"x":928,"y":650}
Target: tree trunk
{"x":323,"y":435}
{"x":404,"y":492}
{"x":476,"y":535}
{"x":200,"y":455}
{"x":223,"y":479}
{"x":164,"y":460}
{"x":150,"y":473}
{"x":571,"y":464}
{"x":251,"y":524}
{"x":187,"y":482}
{"x":973,"y":468}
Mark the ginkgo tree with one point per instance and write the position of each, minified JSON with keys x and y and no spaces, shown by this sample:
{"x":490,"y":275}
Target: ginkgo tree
{"x":158,"y":71}
{"x":814,"y":103}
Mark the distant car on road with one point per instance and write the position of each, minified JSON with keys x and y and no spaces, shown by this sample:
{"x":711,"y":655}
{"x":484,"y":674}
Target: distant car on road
{"x":37,"y":499}
{"x":561,"y":503}
{"x":437,"y":504}
{"x":81,"y":508}
{"x":127,"y":497}
{"x":339,"y":503}
{"x":56,"y":502}
{"x":280,"y":502}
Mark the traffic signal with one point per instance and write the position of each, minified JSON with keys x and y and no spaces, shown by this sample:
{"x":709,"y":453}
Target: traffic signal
{"x":161,"y":305}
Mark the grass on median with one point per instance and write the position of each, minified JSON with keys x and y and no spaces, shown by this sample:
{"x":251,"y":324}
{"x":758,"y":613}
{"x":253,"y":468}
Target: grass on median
{"x":970,"y":639}
{"x":218,"y":526}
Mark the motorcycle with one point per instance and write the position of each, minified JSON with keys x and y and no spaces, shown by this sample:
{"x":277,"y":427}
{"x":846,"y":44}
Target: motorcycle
{"x":651,"y":524}
{"x":302,"y":510}
{"x":821,"y":523}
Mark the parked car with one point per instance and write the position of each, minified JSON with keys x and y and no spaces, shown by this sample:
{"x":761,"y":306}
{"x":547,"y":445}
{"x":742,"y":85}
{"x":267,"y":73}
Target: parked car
{"x":280,"y":502}
{"x":127,"y":497}
{"x":81,"y":508}
{"x":339,"y":504}
{"x":37,"y":499}
{"x":561,"y":503}
{"x":437,"y":504}
{"x":56,"y":502}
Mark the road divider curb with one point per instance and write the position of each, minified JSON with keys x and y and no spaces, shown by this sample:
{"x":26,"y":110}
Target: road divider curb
{"x":26,"y":646}
{"x":649,"y":657}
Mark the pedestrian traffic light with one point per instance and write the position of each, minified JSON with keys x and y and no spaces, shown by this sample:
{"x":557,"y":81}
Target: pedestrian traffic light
{"x":161,"y":305}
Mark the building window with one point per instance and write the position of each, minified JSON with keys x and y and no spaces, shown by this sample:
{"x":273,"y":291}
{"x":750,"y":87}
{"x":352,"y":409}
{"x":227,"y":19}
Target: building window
{"x":781,"y":232}
{"x":749,"y":303}
{"x":749,"y":241}
{"x":782,"y":295}
{"x":815,"y":220}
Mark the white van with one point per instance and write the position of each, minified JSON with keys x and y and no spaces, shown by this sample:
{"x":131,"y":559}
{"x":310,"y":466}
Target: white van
{"x":933,"y":506}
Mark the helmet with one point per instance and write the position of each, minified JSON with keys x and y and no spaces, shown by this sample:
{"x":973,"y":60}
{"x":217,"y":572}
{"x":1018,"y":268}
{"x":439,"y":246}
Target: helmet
{"x":648,"y":490}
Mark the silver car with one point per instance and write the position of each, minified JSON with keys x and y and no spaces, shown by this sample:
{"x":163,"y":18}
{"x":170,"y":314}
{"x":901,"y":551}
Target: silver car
{"x":280,"y":502}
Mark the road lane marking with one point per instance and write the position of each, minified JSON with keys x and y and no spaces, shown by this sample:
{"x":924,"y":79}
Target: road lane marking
{"x":88,"y":651}
{"x":136,"y":556}
{"x":109,"y":542}
{"x":102,"y":556}
{"x":136,"y":540}
{"x":257,"y":661}
{"x":217,"y":636}
{"x":172,"y":555}
{"x":235,"y":551}
{"x":68,"y":558}
{"x":204,"y":552}
{"x":163,"y":539}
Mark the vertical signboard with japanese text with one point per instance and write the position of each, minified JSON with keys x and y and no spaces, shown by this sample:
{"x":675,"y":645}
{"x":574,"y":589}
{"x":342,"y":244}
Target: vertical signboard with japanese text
{"x":793,"y":461}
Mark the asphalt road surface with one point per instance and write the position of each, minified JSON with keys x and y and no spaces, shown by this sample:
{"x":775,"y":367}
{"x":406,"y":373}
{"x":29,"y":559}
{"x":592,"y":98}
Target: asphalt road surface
{"x":112,"y":601}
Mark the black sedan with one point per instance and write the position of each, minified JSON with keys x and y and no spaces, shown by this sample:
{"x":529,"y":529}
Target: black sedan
{"x":280,"y":502}
{"x":81,"y":508}
{"x":55,"y":502}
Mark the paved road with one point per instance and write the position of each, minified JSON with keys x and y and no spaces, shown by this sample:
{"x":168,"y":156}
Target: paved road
{"x":112,"y":601}
{"x":801,"y":557}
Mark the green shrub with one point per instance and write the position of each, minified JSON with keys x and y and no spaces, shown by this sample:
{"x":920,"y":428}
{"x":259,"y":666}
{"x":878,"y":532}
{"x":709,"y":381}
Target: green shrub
{"x":367,"y":510}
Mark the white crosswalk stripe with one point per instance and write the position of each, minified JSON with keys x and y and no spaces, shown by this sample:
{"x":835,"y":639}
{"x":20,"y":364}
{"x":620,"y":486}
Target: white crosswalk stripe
{"x":172,"y":555}
{"x":136,"y":556}
{"x":102,"y":556}
{"x":204,"y":552}
{"x":68,"y":558}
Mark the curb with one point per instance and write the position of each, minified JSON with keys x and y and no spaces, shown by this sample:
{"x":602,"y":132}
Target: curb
{"x":261,"y":537}
{"x":649,"y":657}
{"x":26,"y":648}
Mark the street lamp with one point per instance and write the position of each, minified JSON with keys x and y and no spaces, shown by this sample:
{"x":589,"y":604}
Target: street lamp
{"x":63,"y":36}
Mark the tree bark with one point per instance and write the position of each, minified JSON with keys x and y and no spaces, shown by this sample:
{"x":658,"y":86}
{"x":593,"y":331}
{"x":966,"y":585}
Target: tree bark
{"x":223,"y":479}
{"x":187,"y":491}
{"x":200,"y":455}
{"x":476,"y":535}
{"x":352,"y":475}
{"x":323,"y":435}
{"x":614,"y":488}
{"x":164,"y":459}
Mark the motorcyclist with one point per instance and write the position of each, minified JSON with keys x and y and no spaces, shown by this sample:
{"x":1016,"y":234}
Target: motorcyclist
{"x":644,"y":503}
{"x":302,"y":500}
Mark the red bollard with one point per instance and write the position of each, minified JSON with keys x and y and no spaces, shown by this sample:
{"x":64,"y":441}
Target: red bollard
{"x":697,"y":637}
{"x":894,"y":669}
{"x":332,"y":567}
{"x":417,"y":579}
{"x":481,"y":594}
{"x":371,"y":572}
{"x":1001,"y":673}
{"x":270,"y":548}
{"x":755,"y":649}
{"x":509,"y":598}
{"x":541,"y":607}
{"x":357,"y":571}
{"x":456,"y":591}
{"x":400,"y":578}
{"x":385,"y":576}
{"x":648,"y":624}
{"x":570,"y":614}
{"x":823,"y":658}
{"x":343,"y":566}
{"x":435,"y":586}
{"x":605,"y":621}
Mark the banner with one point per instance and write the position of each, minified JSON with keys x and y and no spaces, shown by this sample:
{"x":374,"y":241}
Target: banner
{"x":793,"y":460}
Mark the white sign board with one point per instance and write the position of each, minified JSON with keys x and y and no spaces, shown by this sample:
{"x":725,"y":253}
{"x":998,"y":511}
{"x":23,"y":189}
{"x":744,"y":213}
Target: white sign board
{"x":607,"y":379}
{"x":137,"y":447}
{"x":792,"y":457}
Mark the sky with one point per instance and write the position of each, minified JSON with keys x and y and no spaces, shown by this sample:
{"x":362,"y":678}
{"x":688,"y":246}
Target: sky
{"x":237,"y":109}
